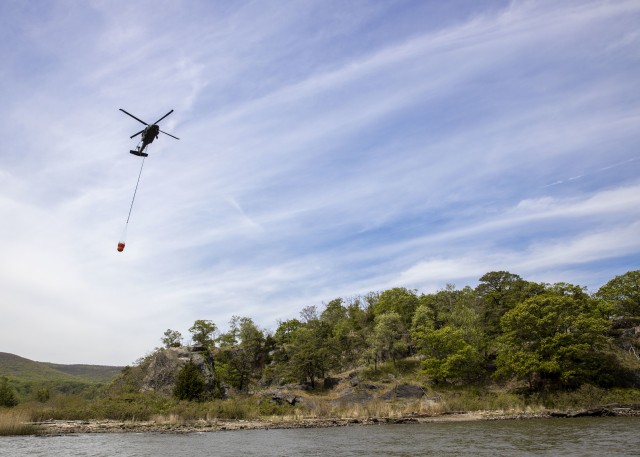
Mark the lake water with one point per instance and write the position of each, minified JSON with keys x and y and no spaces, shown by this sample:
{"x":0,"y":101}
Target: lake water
{"x":615,"y":436}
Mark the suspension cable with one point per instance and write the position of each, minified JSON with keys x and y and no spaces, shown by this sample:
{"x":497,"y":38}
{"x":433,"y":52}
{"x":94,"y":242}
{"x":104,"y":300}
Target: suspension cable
{"x":136,"y":190}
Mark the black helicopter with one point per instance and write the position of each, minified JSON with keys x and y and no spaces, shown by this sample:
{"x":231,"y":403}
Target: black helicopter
{"x":149,"y":133}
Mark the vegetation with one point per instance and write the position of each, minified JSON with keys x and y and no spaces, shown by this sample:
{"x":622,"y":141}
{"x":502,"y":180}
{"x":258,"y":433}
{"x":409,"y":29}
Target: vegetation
{"x":7,"y":397}
{"x":39,"y":380}
{"x":14,"y":422}
{"x":191,"y":384}
{"x":506,"y":344}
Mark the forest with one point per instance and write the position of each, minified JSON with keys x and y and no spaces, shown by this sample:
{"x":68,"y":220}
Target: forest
{"x":506,"y":345}
{"x":539,"y":337}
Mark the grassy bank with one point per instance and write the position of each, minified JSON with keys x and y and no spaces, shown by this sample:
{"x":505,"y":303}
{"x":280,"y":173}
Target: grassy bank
{"x":318,"y":404}
{"x":16,"y":422}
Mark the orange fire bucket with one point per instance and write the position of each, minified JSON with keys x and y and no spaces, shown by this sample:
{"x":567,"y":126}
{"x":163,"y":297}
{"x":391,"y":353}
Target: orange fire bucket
{"x":120,"y":247}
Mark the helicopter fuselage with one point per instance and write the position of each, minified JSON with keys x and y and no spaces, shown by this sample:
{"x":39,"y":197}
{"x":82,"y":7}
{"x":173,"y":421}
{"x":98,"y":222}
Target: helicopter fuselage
{"x":150,"y":133}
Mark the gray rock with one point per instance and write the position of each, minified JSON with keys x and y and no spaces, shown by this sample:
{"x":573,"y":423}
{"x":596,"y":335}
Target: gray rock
{"x":353,"y":395}
{"x":282,"y":397}
{"x":162,"y":370}
{"x":403,"y":391}
{"x":330,"y":383}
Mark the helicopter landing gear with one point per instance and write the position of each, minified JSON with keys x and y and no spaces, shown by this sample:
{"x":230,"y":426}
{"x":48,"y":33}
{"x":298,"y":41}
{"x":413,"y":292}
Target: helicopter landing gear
{"x":138,"y":153}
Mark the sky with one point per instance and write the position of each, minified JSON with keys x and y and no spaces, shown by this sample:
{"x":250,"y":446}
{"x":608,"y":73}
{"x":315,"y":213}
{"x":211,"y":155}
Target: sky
{"x":327,"y":149}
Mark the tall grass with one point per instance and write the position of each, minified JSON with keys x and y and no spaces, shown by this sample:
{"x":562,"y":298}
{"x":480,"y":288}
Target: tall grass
{"x":153,"y":407}
{"x":481,"y":400}
{"x":169,"y":411}
{"x":14,"y":422}
{"x":589,"y":396}
{"x":395,"y":409}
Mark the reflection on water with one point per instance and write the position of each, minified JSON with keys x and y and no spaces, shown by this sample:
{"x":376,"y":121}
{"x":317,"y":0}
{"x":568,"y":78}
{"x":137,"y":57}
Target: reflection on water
{"x":553,"y":437}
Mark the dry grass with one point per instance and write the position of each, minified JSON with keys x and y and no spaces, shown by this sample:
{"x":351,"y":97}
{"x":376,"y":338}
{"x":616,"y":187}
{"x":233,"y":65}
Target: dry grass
{"x":169,"y":419}
{"x":321,"y":409}
{"x":13,"y":422}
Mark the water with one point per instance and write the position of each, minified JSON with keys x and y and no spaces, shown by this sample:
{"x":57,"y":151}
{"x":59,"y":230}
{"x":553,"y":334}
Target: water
{"x":553,"y":437}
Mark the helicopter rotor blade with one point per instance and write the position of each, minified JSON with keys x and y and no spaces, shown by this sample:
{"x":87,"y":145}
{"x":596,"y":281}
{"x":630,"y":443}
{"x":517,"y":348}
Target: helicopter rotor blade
{"x":136,"y":134}
{"x":163,"y":117}
{"x":133,"y":117}
{"x":170,"y":135}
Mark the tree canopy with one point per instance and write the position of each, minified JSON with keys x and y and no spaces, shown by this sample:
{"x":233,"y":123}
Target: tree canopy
{"x":544,"y":336}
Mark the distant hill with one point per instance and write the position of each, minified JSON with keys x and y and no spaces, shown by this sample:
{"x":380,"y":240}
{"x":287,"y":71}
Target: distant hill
{"x":28,"y":371}
{"x":96,"y":373}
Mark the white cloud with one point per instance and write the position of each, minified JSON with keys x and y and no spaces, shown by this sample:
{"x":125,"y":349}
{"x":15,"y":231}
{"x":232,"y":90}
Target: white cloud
{"x":324,"y":152}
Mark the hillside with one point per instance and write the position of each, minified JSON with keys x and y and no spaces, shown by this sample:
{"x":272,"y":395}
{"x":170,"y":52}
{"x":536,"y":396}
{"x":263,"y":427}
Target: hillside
{"x":95,"y":373}
{"x":28,"y":371}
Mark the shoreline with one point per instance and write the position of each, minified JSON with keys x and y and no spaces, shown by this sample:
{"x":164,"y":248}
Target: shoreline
{"x":69,"y":427}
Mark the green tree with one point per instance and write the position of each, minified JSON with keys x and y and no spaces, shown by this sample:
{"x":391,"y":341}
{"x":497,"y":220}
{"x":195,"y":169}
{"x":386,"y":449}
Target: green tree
{"x":333,"y":312}
{"x":421,"y":326}
{"x":555,"y":339}
{"x":285,"y":331}
{"x":342,"y":324}
{"x":624,"y":293}
{"x":43,"y":395}
{"x":449,"y":357}
{"x":500,"y":291}
{"x":7,"y":396}
{"x":440,"y":304}
{"x":202,"y":333}
{"x":308,"y":354}
{"x":190,"y":383}
{"x":172,"y":339}
{"x":398,"y":300}
{"x":247,"y":356}
{"x":389,"y":337}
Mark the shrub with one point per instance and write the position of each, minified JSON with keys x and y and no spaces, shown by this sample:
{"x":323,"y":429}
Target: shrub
{"x":7,"y":397}
{"x":190,"y":383}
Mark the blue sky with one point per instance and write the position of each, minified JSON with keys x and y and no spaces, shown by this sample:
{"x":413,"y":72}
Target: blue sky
{"x":327,"y":149}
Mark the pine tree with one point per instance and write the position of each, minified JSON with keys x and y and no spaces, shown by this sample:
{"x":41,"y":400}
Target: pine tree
{"x":190,"y":383}
{"x":7,"y":397}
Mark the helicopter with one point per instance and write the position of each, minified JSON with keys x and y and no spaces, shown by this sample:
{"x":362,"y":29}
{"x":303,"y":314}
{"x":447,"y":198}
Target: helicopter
{"x":149,"y":133}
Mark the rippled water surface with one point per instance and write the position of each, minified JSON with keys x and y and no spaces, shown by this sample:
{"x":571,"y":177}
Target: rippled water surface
{"x":553,"y":437}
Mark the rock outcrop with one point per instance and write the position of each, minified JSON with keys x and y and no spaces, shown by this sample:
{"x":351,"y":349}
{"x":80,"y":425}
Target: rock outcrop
{"x":162,"y":368}
{"x":403,"y":391}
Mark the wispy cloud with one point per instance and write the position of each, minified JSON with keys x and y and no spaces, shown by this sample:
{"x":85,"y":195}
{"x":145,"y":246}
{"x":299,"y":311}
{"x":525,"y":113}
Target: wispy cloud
{"x":326,"y":150}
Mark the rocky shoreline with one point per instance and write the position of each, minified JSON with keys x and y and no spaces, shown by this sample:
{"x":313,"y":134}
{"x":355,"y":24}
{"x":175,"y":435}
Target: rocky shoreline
{"x":63,"y":427}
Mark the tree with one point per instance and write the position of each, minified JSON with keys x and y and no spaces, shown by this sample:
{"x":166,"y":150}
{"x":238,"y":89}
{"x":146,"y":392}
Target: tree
{"x":334,"y":312}
{"x":309,"y":313}
{"x":248,"y":354}
{"x":500,"y":291}
{"x":624,"y":292}
{"x":230,"y":338}
{"x":398,"y":300}
{"x":449,"y":357}
{"x":421,"y":326}
{"x":202,"y":333}
{"x":439,"y":305}
{"x":190,"y":383}
{"x":388,"y":336}
{"x":7,"y":397}
{"x":555,"y":339}
{"x":285,"y":331}
{"x":43,"y":395}
{"x":308,"y":354}
{"x":172,"y":339}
